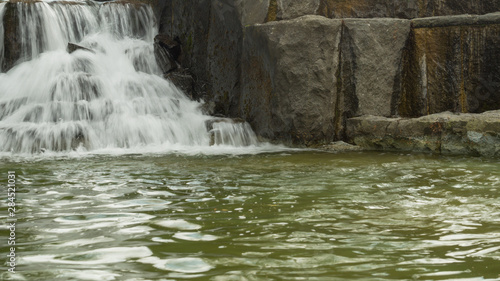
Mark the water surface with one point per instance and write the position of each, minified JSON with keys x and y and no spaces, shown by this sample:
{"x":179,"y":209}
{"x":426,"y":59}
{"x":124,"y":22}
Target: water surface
{"x":272,"y":216}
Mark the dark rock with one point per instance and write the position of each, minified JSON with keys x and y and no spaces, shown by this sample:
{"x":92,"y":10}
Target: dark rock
{"x":167,"y":52}
{"x":453,"y":65}
{"x":443,"y":133}
{"x":184,"y":80}
{"x":73,"y":47}
{"x":289,"y":82}
{"x":12,"y":44}
{"x":189,"y":20}
{"x":228,"y":18}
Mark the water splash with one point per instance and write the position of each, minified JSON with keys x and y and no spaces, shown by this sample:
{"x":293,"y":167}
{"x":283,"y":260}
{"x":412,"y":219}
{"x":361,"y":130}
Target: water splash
{"x":107,"y":94}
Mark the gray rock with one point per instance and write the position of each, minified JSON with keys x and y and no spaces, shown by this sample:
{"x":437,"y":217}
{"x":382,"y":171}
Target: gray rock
{"x":377,"y":47}
{"x":289,"y":79}
{"x":228,"y":18}
{"x":290,"y":9}
{"x":443,"y":133}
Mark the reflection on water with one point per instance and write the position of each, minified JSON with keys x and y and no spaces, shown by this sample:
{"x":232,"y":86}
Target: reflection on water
{"x":295,"y":216}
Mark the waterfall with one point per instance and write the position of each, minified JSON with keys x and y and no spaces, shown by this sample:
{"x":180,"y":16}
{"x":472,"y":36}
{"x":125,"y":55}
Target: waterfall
{"x":106,"y":94}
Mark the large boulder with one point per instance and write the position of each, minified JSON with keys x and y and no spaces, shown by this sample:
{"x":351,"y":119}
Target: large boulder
{"x":442,"y":133}
{"x":452,"y":64}
{"x":290,"y":79}
{"x":374,"y":49}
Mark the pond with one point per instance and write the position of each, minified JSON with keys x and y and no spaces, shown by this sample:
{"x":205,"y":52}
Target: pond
{"x":286,"y":215}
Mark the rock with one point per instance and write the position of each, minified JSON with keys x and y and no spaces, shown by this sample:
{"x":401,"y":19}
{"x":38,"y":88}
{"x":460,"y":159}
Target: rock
{"x":228,"y":18}
{"x":340,"y":146}
{"x":289,"y":82}
{"x":12,"y":44}
{"x":405,"y":9}
{"x":290,"y":9}
{"x":167,"y":52}
{"x":188,"y":20}
{"x":452,"y":64}
{"x":184,"y":80}
{"x":73,"y":47}
{"x":230,"y":131}
{"x":443,"y":133}
{"x":376,"y":48}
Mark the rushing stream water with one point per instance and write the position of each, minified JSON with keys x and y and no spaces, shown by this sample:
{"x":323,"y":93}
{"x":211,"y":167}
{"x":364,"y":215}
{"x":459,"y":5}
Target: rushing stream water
{"x":270,"y":216}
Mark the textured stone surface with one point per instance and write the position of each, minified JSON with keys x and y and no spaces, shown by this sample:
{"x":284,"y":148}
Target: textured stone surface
{"x":12,"y":45}
{"x":290,"y":9}
{"x":289,"y":81}
{"x":376,"y":48}
{"x":188,"y":20}
{"x":453,"y":65}
{"x":443,"y":133}
{"x":228,"y":18}
{"x":406,"y":9}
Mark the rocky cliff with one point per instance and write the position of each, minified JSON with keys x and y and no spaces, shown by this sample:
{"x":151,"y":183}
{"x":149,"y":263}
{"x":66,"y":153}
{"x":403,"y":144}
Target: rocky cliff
{"x":300,"y":70}
{"x":299,"y":78}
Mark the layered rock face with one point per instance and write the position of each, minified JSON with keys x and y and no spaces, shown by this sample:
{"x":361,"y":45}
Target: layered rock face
{"x":299,"y":79}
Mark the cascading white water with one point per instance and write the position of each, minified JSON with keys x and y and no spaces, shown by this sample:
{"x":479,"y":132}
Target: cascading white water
{"x":109,"y":95}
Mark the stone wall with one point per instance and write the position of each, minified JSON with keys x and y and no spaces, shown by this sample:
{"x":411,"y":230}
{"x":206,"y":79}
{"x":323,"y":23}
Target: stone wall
{"x":302,"y":87}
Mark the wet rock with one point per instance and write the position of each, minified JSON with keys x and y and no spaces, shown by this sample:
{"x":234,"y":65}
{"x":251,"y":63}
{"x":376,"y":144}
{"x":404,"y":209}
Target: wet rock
{"x":290,"y":87}
{"x":74,"y":47}
{"x":12,"y":44}
{"x":188,"y":20}
{"x":443,"y":133}
{"x":452,"y":64}
{"x":230,"y":131}
{"x":167,"y":52}
{"x":184,"y":80}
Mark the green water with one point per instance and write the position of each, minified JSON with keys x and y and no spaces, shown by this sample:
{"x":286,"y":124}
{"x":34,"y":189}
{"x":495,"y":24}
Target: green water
{"x":275,"y":216}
